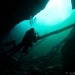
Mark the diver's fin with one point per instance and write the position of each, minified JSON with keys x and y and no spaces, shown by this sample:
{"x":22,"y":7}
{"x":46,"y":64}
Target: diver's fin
{"x":8,"y":43}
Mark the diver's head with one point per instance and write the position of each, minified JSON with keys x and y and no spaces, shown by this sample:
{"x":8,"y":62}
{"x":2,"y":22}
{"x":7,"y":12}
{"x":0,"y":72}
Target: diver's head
{"x":32,"y":29}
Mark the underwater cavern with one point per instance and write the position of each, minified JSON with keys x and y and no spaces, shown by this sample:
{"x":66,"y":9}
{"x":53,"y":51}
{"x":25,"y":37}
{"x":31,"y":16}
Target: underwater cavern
{"x":53,"y":52}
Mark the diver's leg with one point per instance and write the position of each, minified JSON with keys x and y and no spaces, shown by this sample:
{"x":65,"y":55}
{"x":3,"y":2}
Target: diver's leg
{"x":25,"y":49}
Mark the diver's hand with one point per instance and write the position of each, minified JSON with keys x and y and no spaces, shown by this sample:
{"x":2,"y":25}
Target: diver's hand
{"x":38,"y":37}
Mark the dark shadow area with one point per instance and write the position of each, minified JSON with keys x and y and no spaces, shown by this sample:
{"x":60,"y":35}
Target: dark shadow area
{"x":60,"y":60}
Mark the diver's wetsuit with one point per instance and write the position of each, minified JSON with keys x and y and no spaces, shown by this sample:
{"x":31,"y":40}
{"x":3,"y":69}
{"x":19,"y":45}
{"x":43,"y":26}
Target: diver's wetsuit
{"x":28,"y":40}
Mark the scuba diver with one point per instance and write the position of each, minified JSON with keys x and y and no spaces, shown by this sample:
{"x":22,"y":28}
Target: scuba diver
{"x":28,"y":40}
